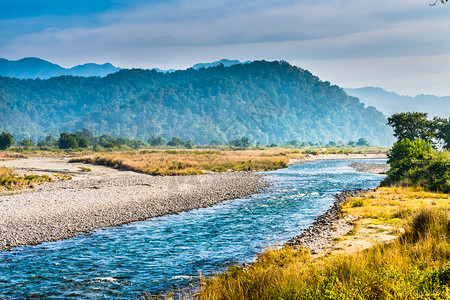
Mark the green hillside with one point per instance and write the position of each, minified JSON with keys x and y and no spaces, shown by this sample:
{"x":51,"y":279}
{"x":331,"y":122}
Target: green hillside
{"x":270,"y":102}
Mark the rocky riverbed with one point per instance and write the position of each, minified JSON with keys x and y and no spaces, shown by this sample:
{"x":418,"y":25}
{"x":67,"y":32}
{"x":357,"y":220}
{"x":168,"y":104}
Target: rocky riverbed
{"x":102,"y":198}
{"x":319,"y":236}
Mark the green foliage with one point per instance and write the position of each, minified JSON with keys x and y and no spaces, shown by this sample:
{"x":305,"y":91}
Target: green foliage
{"x":269,"y":102}
{"x":68,"y":141}
{"x":49,"y":141}
{"x":411,"y":125}
{"x":243,"y":142}
{"x":415,"y":163}
{"x":189,"y":144}
{"x":6,"y":140}
{"x":175,"y":142}
{"x":404,"y":157}
{"x":444,"y":133}
{"x":415,"y":125}
{"x":157,"y":141}
{"x":362,"y":142}
{"x":27,"y":143}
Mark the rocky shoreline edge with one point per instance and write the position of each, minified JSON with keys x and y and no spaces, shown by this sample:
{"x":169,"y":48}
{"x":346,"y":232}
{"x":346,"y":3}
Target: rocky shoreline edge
{"x":319,"y":236}
{"x":331,"y":225}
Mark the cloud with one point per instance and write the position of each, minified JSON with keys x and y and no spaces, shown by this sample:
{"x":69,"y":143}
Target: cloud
{"x":180,"y":33}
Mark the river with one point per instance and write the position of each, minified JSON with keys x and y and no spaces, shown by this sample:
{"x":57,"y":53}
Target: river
{"x":170,"y":252}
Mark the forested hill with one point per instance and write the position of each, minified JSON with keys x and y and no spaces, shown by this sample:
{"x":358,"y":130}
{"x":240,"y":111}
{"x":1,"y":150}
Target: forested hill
{"x":270,"y":102}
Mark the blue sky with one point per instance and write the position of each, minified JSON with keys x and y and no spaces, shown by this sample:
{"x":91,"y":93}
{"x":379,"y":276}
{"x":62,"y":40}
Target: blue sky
{"x":402,"y":46}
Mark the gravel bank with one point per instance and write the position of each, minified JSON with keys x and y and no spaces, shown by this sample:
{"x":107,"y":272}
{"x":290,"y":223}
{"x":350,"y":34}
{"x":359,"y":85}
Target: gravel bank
{"x":372,"y":168}
{"x":318,"y":237}
{"x":64,"y":209}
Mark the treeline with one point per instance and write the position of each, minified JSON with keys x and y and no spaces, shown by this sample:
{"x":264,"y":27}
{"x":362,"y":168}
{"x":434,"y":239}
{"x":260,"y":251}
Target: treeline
{"x":85,"y":139}
{"x":421,"y":155}
{"x":268,"y":102}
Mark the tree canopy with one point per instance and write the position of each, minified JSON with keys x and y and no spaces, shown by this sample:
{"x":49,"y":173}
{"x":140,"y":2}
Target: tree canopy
{"x":6,"y":140}
{"x":416,"y":125}
{"x":269,"y":102}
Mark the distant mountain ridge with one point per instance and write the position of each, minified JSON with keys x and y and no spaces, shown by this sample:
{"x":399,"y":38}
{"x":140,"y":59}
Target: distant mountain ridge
{"x":269,"y":102}
{"x":32,"y":68}
{"x":224,"y":62}
{"x":389,"y":102}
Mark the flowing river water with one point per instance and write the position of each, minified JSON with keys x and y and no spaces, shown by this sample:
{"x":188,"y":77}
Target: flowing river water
{"x":170,"y":252}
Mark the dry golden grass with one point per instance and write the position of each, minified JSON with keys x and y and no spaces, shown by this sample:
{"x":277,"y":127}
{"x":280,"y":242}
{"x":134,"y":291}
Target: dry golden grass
{"x":17,"y":153}
{"x":10,"y":181}
{"x":191,"y":162}
{"x":415,"y":266}
{"x":393,"y":203}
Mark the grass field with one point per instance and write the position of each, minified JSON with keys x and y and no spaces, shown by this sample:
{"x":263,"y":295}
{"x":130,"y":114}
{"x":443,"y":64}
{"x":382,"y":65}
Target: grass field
{"x":192,"y":162}
{"x":185,"y":162}
{"x":413,"y":266}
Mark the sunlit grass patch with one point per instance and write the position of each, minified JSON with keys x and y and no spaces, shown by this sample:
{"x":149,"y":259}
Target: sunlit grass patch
{"x":11,"y":181}
{"x":186,"y":162}
{"x":394,"y":203}
{"x":416,"y":266}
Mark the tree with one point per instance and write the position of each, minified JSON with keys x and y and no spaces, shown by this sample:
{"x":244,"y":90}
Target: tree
{"x":189,"y":144}
{"x":243,"y":142}
{"x":216,"y":143}
{"x":436,"y":1}
{"x":49,"y":141}
{"x":26,"y":143}
{"x":68,"y":141}
{"x":412,"y":126}
{"x":175,"y":142}
{"x":332,"y":144}
{"x":293,"y":143}
{"x":157,"y":141}
{"x":405,"y":154}
{"x":444,"y":133}
{"x":6,"y":140}
{"x":362,"y":142}
{"x":85,"y":138}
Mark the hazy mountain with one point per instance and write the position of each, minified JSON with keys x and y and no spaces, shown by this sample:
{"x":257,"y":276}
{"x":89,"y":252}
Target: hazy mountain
{"x":225,"y":62}
{"x":164,"y":71}
{"x":389,"y":103}
{"x":32,"y":67}
{"x":270,"y":102}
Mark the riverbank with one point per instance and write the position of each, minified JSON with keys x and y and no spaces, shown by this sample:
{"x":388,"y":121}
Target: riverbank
{"x":404,"y":233}
{"x":103,"y":197}
{"x":99,"y":196}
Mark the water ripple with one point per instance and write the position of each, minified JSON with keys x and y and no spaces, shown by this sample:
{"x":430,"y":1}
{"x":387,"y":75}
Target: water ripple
{"x":171,"y":251}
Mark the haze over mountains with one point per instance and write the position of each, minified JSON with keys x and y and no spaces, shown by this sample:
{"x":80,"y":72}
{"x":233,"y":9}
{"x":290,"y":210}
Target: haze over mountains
{"x":389,"y":103}
{"x":32,"y":67}
{"x":270,"y":102}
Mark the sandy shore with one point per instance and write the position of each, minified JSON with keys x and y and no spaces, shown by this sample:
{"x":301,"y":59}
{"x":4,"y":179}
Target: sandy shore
{"x":106,"y":197}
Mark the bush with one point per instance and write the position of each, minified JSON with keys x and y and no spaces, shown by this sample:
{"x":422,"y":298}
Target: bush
{"x":68,"y":141}
{"x":6,"y":140}
{"x":406,"y":156}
